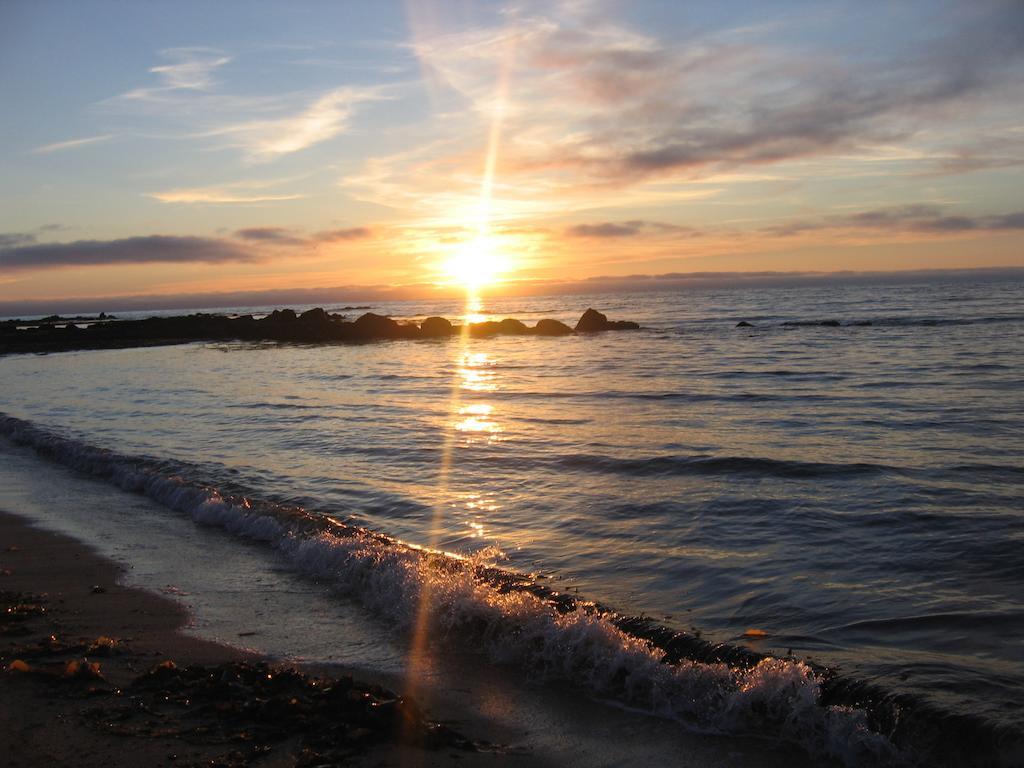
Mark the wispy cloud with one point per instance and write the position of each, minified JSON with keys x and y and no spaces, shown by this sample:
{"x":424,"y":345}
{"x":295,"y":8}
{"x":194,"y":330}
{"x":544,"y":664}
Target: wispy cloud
{"x":60,"y":146}
{"x":336,"y":235}
{"x":593,"y":106}
{"x":191,"y":69}
{"x":218,"y":195}
{"x":320,"y":120}
{"x":271,"y":236}
{"x":924,"y":219}
{"x":281,"y":236}
{"x":631,"y":228}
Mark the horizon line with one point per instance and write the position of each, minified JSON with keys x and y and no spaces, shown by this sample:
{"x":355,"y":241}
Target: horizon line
{"x":638,"y":283}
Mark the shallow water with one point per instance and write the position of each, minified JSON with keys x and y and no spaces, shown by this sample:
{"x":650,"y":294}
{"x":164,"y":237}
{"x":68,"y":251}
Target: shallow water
{"x":854,"y":491}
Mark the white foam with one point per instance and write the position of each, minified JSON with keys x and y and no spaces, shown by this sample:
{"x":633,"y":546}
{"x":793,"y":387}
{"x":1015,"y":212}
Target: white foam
{"x":778,"y":697}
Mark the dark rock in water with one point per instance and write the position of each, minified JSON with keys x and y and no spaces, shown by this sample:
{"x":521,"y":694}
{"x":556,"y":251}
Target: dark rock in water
{"x":744,"y":324}
{"x":280,"y":315}
{"x":512,"y":326}
{"x":313,"y":326}
{"x":548,"y":327}
{"x":592,"y":321}
{"x":371,"y":326}
{"x":316,"y":315}
{"x":506,"y":327}
{"x":436,"y":327}
{"x":830,"y":323}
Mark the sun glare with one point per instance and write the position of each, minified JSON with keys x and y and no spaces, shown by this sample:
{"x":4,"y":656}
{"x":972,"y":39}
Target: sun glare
{"x":476,"y":263}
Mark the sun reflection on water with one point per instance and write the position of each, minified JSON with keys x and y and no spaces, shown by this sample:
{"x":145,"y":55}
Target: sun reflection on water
{"x":476,"y":372}
{"x":477,"y":419}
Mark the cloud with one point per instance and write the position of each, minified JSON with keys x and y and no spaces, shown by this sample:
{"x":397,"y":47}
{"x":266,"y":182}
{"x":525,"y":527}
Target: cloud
{"x":270,"y":235}
{"x":131,"y":250}
{"x":191,"y":69}
{"x":12,"y":239}
{"x":324,"y":118}
{"x":60,"y":146}
{"x":334,"y":235}
{"x":22,"y":251}
{"x":632,"y":228}
{"x":607,"y":229}
{"x":217,"y":195}
{"x":189,"y":95}
{"x":585,"y":104}
{"x":920,"y":218}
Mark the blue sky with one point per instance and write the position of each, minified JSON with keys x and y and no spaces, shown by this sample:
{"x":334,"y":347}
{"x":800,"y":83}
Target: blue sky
{"x":161,"y":148}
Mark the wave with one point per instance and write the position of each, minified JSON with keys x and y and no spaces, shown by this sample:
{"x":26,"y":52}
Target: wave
{"x":885,"y":322}
{"x":712,"y":687}
{"x":718,"y":465}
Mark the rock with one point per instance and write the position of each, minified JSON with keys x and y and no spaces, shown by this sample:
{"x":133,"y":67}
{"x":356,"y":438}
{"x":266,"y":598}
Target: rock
{"x":830,"y":323}
{"x":371,"y":326}
{"x":314,"y":316}
{"x":512,"y":327}
{"x":548,"y":327}
{"x":280,"y":315}
{"x":436,"y":327}
{"x":592,"y":321}
{"x":744,"y":324}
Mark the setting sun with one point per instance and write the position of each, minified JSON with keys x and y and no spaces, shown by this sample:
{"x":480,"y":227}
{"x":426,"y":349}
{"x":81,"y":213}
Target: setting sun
{"x":476,"y":263}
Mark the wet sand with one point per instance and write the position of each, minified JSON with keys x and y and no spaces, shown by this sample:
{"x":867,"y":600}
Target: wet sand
{"x":65,"y":613}
{"x":49,"y":718}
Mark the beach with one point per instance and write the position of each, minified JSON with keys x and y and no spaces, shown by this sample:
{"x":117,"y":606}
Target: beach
{"x":70,"y":607}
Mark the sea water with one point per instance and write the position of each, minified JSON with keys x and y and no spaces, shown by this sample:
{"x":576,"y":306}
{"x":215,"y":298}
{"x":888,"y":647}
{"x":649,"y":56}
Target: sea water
{"x":850,"y":493}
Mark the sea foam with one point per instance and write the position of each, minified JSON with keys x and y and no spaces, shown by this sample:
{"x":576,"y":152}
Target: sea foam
{"x":777,"y":698}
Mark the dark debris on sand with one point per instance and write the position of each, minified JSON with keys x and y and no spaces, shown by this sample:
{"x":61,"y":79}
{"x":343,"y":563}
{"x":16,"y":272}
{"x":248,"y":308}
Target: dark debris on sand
{"x":242,"y":711}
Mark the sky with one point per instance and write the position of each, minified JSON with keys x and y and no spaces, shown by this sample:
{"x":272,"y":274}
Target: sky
{"x":194,"y":148}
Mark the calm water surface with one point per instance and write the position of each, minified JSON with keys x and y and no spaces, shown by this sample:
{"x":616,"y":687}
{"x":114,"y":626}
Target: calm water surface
{"x":855,"y":492}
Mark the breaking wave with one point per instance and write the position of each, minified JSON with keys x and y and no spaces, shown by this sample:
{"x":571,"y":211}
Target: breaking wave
{"x":708,"y":687}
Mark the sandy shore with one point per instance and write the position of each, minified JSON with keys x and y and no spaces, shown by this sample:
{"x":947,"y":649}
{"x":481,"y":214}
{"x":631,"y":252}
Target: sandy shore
{"x":147,"y":703}
{"x":60,"y":600}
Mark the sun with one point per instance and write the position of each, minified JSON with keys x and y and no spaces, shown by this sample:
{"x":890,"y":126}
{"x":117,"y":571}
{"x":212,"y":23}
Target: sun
{"x":476,"y":263}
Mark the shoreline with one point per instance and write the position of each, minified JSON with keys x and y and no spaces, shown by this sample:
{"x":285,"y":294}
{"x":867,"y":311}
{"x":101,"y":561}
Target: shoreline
{"x":80,"y":653}
{"x":44,"y":718}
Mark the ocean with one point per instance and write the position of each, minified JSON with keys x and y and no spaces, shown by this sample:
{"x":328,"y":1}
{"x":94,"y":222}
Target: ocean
{"x":839,"y":487}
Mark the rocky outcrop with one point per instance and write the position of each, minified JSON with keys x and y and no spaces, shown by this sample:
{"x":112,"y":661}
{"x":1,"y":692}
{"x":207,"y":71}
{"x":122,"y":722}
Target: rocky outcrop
{"x":437,"y":328}
{"x":314,"y":325}
{"x":593,"y":321}
{"x":551,"y":328}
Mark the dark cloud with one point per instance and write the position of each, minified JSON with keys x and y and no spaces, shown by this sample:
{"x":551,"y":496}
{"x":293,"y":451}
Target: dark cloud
{"x":607,"y":229}
{"x":1007,"y":221}
{"x":129,"y":250}
{"x":333,"y":235}
{"x":632,"y":228}
{"x":904,"y":218}
{"x":270,"y":235}
{"x":12,"y":239}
